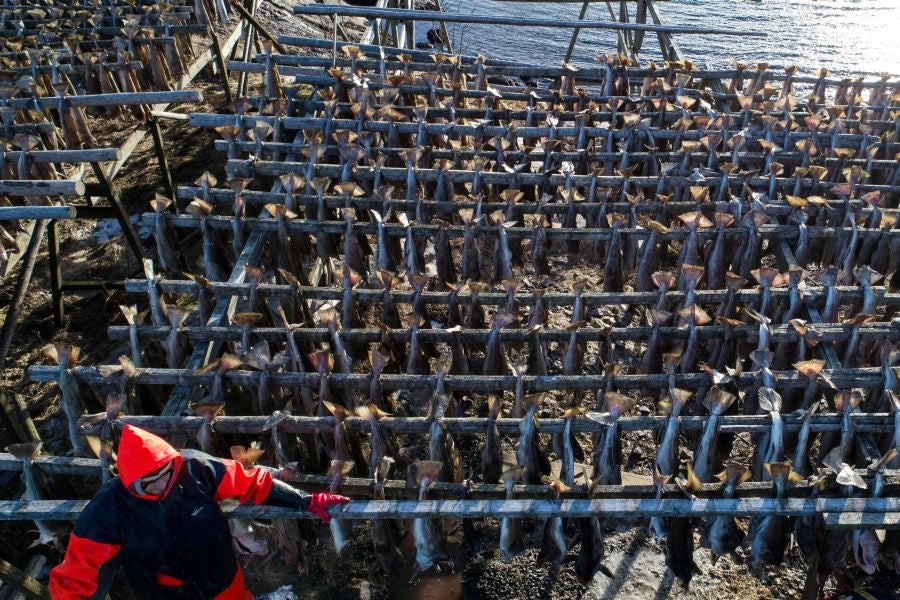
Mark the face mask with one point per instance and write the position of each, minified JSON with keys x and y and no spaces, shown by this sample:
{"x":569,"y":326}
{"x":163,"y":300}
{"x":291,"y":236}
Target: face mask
{"x":141,"y":483}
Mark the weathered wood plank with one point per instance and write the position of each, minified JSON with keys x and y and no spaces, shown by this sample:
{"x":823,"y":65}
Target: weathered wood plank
{"x":476,"y":509}
{"x":478,"y":426}
{"x":857,"y":378}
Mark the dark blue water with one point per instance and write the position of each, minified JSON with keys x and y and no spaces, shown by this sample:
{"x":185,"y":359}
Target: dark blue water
{"x":846,"y":36}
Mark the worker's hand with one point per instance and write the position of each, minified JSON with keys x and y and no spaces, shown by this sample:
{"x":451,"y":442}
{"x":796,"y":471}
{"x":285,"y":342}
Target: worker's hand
{"x":320,"y":502}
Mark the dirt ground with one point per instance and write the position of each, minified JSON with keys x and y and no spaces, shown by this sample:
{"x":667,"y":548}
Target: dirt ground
{"x":633,"y":557}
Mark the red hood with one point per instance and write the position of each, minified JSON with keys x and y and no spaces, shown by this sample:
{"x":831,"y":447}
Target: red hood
{"x":141,"y":453}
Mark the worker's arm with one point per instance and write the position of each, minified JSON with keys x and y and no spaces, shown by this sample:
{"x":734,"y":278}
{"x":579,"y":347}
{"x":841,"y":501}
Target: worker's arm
{"x":231,"y":480}
{"x":318,"y":503}
{"x":93,"y":544}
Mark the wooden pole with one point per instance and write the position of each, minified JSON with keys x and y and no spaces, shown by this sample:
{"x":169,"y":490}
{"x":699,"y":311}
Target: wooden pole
{"x":117,"y":99}
{"x":32,"y":588}
{"x":477,"y":509}
{"x":258,"y":26}
{"x":868,"y":377}
{"x":571,"y":48}
{"x":829,"y":333}
{"x":42,"y":187}
{"x":21,"y":289}
{"x":12,"y":213}
{"x":425,"y":15}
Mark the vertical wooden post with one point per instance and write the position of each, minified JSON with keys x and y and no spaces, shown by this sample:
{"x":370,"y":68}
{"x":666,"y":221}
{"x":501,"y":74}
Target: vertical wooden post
{"x":620,"y":35}
{"x":223,"y":70}
{"x":55,"y":274}
{"x":628,"y":36}
{"x":22,"y":283}
{"x":17,"y":413}
{"x":640,"y":16}
{"x":410,"y":27}
{"x":153,"y":123}
{"x":571,"y":47}
{"x":130,"y":235}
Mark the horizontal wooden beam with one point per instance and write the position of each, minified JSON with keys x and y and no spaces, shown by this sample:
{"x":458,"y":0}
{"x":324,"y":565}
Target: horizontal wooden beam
{"x":42,"y":187}
{"x":9,"y":213}
{"x":487,"y":132}
{"x":789,"y":158}
{"x":774,"y":73}
{"x":374,"y":50}
{"x":397,"y":488}
{"x":862,"y":422}
{"x":116,"y":99}
{"x":779,"y":333}
{"x":857,"y":520}
{"x":868,"y":377}
{"x":590,"y":299}
{"x":788,"y":232}
{"x":247,"y":168}
{"x":672,"y":208}
{"x":498,"y":509}
{"x":518,"y":20}
{"x":65,"y":156}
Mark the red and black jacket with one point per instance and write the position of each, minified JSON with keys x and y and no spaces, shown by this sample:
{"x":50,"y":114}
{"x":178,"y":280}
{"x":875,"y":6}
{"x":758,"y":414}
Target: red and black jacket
{"x":173,"y":546}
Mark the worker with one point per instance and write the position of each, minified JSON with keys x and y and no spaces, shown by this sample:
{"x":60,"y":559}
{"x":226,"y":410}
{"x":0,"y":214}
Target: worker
{"x":161,"y":521}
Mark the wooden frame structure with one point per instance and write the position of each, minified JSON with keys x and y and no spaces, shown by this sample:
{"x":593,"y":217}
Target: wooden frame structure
{"x":741,"y":224}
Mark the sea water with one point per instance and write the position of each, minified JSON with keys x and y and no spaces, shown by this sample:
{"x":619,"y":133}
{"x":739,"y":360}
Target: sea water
{"x":849,"y":37}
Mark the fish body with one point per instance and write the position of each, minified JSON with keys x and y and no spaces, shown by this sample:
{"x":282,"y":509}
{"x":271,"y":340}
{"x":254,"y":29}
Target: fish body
{"x":770,"y":534}
{"x":495,"y":358}
{"x":528,"y":453}
{"x":428,"y":533}
{"x":164,"y":247}
{"x":491,"y":456}
{"x":554,"y":547}
{"x":667,"y":453}
{"x":607,"y":446}
{"x":386,"y":533}
{"x":705,"y":459}
{"x":512,"y":538}
{"x":66,"y":355}
{"x":722,"y":534}
{"x":441,"y":448}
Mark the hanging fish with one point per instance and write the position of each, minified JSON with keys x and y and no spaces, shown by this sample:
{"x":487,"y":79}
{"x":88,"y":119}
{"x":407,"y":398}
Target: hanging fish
{"x":428,"y":533}
{"x":607,"y":456}
{"x":512,"y":537}
{"x":387,"y":534}
{"x":495,"y":362}
{"x":66,"y":355}
{"x":341,"y":529}
{"x":722,"y":535}
{"x":554,"y":547}
{"x":165,"y":243}
{"x":706,"y":458}
{"x":528,"y":451}
{"x":491,"y":455}
{"x":679,"y":550}
{"x":441,"y":447}
{"x":770,"y":534}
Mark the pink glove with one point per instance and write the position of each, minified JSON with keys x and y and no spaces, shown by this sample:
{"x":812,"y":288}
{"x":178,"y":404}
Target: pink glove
{"x":320,"y":502}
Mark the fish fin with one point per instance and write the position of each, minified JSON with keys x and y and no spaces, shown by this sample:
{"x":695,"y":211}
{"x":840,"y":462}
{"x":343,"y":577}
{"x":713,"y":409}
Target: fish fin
{"x":769,"y":399}
{"x":717,"y":400}
{"x":810,"y":368}
{"x":493,"y":404}
{"x":512,"y":474}
{"x":25,"y":451}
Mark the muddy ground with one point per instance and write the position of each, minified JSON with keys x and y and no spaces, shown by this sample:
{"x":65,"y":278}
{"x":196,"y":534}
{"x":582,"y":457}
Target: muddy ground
{"x":634,"y":558}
